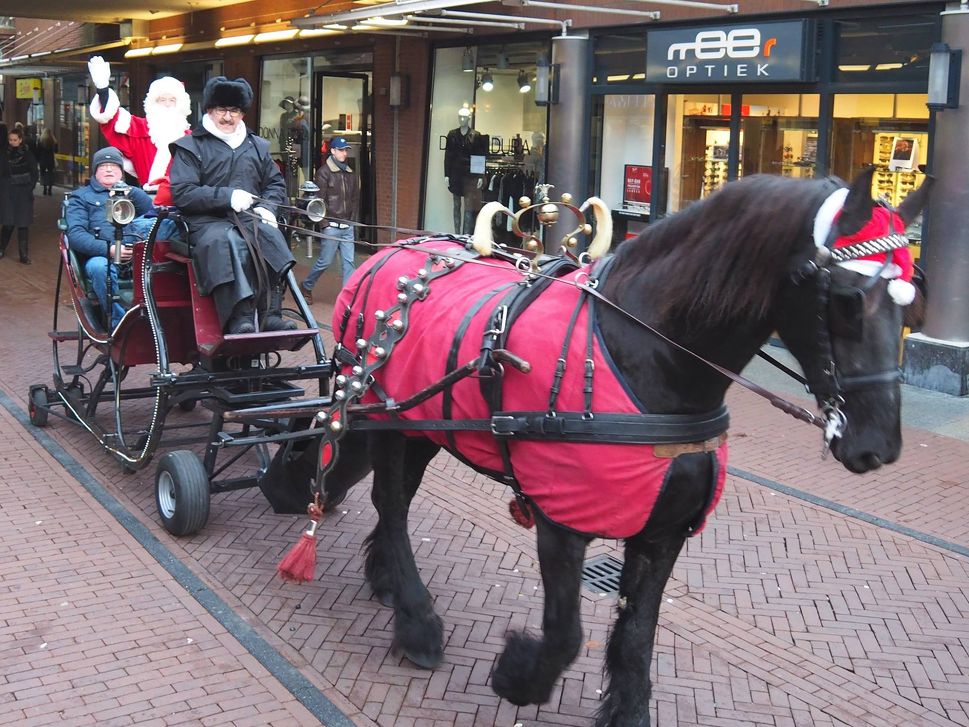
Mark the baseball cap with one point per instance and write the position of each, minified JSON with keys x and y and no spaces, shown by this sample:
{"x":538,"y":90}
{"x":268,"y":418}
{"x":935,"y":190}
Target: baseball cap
{"x":107,"y":155}
{"x":338,"y":142}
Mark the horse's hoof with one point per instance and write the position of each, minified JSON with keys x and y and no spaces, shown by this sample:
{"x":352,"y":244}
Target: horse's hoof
{"x":420,"y":638}
{"x":333,"y":499}
{"x":425,"y":659}
{"x":515,"y":677}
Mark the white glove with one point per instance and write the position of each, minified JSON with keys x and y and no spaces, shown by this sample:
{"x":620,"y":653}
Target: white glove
{"x":268,"y":217}
{"x":241,"y":200}
{"x":100,"y":71}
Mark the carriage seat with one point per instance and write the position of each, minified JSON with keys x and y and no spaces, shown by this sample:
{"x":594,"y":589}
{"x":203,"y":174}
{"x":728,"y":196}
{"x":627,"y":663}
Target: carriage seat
{"x":125,"y":286}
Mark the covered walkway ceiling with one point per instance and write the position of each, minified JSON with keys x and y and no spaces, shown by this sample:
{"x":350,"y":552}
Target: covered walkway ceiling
{"x":115,"y":11}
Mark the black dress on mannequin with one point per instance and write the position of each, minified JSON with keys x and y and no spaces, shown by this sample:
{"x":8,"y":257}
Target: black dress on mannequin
{"x":464,"y":186}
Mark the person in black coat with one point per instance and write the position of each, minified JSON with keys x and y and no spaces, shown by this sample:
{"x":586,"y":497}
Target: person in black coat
{"x":18,"y":177}
{"x":222,"y":179}
{"x":47,"y":160}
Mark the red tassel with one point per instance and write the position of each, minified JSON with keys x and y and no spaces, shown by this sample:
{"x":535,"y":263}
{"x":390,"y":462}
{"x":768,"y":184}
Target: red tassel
{"x":299,"y":565}
{"x":521,"y":513}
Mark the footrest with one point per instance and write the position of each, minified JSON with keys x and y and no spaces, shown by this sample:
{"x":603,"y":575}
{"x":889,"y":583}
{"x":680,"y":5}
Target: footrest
{"x":262,"y":342}
{"x":62,"y":336}
{"x":73,"y":370}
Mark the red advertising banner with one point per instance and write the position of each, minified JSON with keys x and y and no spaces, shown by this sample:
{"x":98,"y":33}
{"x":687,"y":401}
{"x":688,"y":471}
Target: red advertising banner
{"x":637,"y":186}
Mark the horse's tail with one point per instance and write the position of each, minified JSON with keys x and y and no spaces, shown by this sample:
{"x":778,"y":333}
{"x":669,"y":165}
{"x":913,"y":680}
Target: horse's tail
{"x":482,"y":239}
{"x":603,"y":238}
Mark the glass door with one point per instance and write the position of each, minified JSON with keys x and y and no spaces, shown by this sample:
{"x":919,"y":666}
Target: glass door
{"x":341,"y":107}
{"x":780,"y":134}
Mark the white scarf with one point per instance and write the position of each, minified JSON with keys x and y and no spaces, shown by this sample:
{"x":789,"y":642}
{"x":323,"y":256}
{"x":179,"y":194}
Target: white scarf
{"x":234,"y":140}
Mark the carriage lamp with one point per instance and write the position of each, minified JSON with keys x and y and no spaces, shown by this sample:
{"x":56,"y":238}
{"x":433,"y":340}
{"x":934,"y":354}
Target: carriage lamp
{"x":119,"y":209}
{"x":945,"y":71}
{"x":309,"y":201}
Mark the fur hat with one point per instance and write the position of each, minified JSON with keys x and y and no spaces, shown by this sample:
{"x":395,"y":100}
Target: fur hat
{"x":220,"y":91}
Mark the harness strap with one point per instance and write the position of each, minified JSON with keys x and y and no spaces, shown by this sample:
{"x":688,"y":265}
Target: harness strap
{"x":251,"y":239}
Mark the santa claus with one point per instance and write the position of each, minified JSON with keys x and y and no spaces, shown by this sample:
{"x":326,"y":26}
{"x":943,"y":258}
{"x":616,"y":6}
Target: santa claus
{"x":143,"y":141}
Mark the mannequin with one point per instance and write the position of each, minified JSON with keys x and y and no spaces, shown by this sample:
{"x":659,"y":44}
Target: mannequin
{"x":535,"y":161}
{"x":464,"y":186}
{"x":288,"y":105}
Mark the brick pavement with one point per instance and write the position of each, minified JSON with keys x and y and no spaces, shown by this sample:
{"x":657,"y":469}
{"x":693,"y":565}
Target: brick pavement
{"x":782,"y":612}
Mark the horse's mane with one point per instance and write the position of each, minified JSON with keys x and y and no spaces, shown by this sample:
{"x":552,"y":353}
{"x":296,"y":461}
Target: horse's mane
{"x":720,"y":259}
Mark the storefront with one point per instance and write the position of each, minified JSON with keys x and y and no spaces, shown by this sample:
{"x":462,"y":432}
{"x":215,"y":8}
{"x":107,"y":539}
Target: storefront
{"x":487,"y":132}
{"x":679,"y":111}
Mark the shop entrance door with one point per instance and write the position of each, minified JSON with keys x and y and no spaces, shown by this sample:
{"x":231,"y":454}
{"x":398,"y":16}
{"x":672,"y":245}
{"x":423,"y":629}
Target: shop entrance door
{"x":780,"y":134}
{"x":341,"y":107}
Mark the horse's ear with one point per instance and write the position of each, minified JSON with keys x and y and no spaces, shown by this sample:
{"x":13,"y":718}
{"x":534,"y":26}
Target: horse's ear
{"x":915,"y":202}
{"x":858,"y":204}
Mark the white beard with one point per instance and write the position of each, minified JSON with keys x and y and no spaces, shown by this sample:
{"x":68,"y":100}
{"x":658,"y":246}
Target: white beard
{"x":165,"y":125}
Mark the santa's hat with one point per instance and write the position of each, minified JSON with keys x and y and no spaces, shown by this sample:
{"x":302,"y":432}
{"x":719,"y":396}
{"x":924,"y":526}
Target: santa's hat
{"x":866,"y":250}
{"x":171,"y":86}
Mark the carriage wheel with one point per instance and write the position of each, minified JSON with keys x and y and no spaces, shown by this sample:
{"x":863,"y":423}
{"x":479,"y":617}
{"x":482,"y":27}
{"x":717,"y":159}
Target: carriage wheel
{"x":37,"y":406}
{"x":182,"y":493}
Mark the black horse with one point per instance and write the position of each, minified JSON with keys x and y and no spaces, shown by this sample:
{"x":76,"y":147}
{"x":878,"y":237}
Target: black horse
{"x":717,"y":278}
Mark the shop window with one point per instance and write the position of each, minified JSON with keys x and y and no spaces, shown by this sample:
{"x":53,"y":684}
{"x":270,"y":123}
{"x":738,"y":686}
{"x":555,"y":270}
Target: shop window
{"x":697,"y":140}
{"x":892,"y":49}
{"x":889,"y":131}
{"x":622,"y":166}
{"x":780,"y":134}
{"x":487,"y":135}
{"x":619,"y":58}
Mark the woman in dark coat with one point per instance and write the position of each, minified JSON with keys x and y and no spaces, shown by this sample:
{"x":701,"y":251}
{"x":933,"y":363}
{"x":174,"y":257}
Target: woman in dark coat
{"x":19,"y":177}
{"x":46,"y":149}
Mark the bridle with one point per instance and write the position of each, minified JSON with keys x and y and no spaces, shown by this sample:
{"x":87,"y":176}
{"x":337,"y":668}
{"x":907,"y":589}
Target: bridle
{"x":841,"y":308}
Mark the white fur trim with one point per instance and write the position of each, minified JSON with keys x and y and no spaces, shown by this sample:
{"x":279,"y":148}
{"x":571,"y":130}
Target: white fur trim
{"x":159,"y":165}
{"x":124,"y":121}
{"x":129,"y":167}
{"x":824,"y":218}
{"x":902,"y":291}
{"x":103,"y":116}
{"x":870,"y":267}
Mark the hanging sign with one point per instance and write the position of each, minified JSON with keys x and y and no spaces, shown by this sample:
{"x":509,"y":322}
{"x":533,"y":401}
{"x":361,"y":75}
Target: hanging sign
{"x":27,"y":86}
{"x":744,"y":52}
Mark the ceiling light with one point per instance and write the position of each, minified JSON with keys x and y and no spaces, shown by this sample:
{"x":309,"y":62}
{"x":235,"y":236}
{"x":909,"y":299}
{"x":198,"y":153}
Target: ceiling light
{"x":467,"y":62}
{"x":487,"y":81}
{"x":853,"y":68}
{"x":392,"y":22}
{"x":523,"y":84}
{"x":234,"y":40}
{"x":314,"y":32}
{"x":167,"y":48}
{"x":336,"y":26}
{"x":272,"y":35}
{"x":138,"y":52}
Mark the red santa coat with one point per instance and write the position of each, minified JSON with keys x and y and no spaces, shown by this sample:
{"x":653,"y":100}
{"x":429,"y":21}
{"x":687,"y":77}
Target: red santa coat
{"x":129,"y":134}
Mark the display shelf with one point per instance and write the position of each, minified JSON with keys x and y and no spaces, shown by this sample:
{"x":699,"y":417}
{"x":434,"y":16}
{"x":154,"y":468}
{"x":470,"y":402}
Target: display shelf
{"x":895,"y":184}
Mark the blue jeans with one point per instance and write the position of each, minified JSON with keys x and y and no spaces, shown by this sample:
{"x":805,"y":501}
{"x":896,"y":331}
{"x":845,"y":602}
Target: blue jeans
{"x":95,"y":268}
{"x":335,"y":237}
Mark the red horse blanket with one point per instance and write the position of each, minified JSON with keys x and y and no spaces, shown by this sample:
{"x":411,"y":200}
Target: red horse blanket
{"x":605,"y":489}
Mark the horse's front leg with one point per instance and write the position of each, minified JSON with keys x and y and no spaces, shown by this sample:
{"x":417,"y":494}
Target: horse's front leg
{"x":398,"y":466}
{"x":528,"y":667}
{"x":630,"y":652}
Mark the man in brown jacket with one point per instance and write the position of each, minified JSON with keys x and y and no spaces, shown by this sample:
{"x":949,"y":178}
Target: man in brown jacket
{"x":340,"y":189}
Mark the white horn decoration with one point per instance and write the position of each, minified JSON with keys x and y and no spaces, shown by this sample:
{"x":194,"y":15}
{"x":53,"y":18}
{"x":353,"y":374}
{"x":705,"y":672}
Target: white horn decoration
{"x":482,"y":239}
{"x":603,"y":239}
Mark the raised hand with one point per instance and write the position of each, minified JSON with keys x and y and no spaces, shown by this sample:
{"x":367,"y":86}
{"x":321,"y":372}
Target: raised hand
{"x":100,"y":71}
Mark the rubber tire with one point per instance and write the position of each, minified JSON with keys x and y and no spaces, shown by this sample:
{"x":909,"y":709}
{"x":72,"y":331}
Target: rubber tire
{"x":37,"y":407}
{"x":182,"y":493}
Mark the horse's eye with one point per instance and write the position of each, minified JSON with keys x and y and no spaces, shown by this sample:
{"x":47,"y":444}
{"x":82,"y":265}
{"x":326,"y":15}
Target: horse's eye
{"x":846,"y":312}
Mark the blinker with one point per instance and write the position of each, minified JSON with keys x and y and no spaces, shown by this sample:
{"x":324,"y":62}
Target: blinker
{"x":846,"y":312}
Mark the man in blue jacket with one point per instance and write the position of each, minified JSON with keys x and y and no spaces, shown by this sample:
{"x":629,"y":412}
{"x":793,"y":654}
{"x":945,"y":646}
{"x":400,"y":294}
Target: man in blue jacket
{"x":89,"y":232}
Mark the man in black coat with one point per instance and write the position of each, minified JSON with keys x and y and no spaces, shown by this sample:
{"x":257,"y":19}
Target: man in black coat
{"x":225,"y":184}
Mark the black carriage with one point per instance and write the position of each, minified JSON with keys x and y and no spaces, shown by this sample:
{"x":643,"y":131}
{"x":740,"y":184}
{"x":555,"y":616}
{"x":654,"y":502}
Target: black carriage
{"x":168,"y":349}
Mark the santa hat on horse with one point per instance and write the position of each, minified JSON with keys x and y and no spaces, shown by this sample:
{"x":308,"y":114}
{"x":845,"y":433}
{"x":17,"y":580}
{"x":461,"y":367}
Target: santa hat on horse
{"x":884,"y":223}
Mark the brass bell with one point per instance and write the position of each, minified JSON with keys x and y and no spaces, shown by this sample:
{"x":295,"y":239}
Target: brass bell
{"x":524,"y":201}
{"x":566,"y":198}
{"x":531,"y":245}
{"x":586,"y":229}
{"x":548,"y":214}
{"x":336,"y":425}
{"x":571,"y":242}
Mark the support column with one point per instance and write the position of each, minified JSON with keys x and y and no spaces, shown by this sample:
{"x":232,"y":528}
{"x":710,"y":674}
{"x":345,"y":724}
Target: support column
{"x":568,"y":128}
{"x":938,"y":357}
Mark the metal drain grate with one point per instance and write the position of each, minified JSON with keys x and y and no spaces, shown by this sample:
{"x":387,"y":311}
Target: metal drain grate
{"x":601,"y":574}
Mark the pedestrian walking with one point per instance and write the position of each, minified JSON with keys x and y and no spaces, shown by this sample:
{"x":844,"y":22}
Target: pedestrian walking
{"x":46,"y":151}
{"x":19,"y":175}
{"x":340,"y":189}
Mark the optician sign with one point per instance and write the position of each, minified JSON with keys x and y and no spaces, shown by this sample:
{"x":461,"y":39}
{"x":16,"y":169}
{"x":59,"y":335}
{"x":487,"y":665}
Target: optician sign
{"x":745,"y":52}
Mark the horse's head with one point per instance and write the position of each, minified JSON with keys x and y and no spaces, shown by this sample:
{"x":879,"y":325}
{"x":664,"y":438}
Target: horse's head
{"x":842,"y":308}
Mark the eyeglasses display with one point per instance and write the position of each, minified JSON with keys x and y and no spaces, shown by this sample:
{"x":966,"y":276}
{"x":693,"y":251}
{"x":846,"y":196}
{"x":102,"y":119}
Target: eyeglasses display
{"x":891,"y":182}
